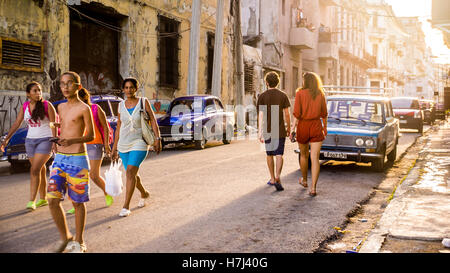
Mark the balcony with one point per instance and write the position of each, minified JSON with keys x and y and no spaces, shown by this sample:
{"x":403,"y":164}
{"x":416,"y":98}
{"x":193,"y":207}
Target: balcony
{"x":301,"y":38}
{"x":328,"y":50}
{"x":328,"y":2}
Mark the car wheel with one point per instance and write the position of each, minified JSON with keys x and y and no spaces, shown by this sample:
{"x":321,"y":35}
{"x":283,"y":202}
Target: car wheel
{"x":201,"y":143}
{"x":420,"y":129}
{"x":378,"y":164}
{"x":393,"y":154}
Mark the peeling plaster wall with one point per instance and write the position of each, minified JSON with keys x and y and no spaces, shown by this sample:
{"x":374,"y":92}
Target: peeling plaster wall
{"x":49,"y":23}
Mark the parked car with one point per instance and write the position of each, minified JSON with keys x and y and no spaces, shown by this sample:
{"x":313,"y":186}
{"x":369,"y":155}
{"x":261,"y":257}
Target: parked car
{"x":196,"y":119}
{"x":15,"y":150}
{"x":440,"y":111}
{"x":429,"y":110}
{"x":409,"y":112}
{"x":360,"y":129}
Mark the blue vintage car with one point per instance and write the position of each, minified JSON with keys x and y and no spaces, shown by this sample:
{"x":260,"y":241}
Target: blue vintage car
{"x":361,"y":129}
{"x":15,"y":151}
{"x":196,"y":119}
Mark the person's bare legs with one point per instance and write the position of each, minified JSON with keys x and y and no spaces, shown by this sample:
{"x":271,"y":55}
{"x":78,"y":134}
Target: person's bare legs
{"x":304,"y":155}
{"x":37,"y":164}
{"x":59,"y":218}
{"x":94,"y":174}
{"x":80,"y":220}
{"x":140,"y":187}
{"x":43,"y":182}
{"x":315,"y":164}
{"x":279,"y":166}
{"x":131,"y":184}
{"x":271,"y":165}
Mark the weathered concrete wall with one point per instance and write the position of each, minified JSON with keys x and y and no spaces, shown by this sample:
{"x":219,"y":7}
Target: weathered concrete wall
{"x":48,"y":22}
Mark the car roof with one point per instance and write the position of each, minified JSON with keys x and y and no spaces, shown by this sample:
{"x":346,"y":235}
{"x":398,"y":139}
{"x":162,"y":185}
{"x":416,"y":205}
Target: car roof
{"x":196,"y":96}
{"x":94,"y":98}
{"x":356,"y":97}
{"x":405,"y":98}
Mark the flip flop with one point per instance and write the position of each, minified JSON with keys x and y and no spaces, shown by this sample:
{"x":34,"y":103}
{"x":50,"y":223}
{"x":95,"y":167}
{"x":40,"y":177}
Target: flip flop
{"x":312,"y":194}
{"x":270,"y":184}
{"x":63,"y":245}
{"x":278,"y":185}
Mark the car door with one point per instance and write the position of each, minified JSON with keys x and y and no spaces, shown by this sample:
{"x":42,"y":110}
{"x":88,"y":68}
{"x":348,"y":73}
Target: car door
{"x":390,"y":127}
{"x":210,"y":114}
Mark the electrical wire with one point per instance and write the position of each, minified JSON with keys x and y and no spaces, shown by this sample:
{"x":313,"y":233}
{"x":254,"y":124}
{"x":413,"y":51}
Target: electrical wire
{"x":120,"y":30}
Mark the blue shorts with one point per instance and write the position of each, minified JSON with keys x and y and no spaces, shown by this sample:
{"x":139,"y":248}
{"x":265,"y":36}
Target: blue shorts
{"x":275,"y":146}
{"x":133,"y":158}
{"x":38,"y":146}
{"x":94,"y":151}
{"x":70,"y":173}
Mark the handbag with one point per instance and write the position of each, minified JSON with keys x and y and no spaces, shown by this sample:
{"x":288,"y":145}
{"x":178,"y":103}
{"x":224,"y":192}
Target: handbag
{"x":147,"y":131}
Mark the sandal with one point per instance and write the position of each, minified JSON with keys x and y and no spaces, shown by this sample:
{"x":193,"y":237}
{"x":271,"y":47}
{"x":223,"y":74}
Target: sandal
{"x":278,"y":185}
{"x":270,"y":183}
{"x":303,"y":183}
{"x":312,"y":194}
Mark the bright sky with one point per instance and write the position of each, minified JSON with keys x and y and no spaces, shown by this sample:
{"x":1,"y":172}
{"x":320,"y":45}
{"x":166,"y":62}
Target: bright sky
{"x":433,"y":37}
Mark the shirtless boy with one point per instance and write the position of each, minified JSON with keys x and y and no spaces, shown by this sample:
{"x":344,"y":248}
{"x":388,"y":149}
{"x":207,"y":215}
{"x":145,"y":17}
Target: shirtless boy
{"x":71,"y":165}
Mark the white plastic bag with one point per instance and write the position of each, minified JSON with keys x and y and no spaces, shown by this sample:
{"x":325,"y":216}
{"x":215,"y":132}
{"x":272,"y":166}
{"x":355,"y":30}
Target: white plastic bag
{"x":113,"y":177}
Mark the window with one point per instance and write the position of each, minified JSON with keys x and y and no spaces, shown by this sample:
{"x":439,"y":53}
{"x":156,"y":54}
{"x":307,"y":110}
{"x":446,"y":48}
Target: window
{"x":210,"y":45}
{"x":219,"y":106}
{"x":249,"y":71}
{"x":21,"y":55}
{"x":168,"y":52}
{"x":283,"y":4}
{"x":209,"y":105}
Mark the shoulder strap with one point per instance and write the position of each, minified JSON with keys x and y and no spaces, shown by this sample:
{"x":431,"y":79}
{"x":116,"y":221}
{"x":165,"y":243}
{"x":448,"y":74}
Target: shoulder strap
{"x":25,"y":105}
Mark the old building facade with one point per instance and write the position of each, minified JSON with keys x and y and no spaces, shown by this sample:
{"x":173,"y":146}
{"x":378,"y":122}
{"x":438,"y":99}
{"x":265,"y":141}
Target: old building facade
{"x":106,"y":41}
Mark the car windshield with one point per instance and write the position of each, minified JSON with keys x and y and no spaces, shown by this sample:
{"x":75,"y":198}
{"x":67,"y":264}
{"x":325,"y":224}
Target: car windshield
{"x":405,"y":104}
{"x":365,"y":111}
{"x":115,"y":107}
{"x":183,"y":106}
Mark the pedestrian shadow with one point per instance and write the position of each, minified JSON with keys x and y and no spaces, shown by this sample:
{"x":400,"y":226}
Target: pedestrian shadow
{"x":13,"y":214}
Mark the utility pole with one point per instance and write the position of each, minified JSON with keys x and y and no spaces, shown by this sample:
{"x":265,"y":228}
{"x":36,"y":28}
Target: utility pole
{"x":239,"y":58}
{"x":192,"y":84}
{"x":217,"y":62}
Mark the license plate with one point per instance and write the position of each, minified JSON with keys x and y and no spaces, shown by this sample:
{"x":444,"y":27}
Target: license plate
{"x":403,"y":121}
{"x":335,"y":155}
{"x":22,"y":157}
{"x":170,"y":139}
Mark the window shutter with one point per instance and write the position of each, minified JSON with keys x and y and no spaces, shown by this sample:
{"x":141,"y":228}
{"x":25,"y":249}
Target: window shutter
{"x":21,"y":55}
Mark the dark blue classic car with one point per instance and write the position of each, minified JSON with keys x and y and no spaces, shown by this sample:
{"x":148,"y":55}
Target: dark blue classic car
{"x":15,"y":151}
{"x":196,"y":119}
{"x":361,"y":129}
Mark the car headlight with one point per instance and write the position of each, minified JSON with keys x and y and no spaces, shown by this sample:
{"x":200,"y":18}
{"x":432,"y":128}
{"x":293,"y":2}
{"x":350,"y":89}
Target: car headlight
{"x":359,"y":142}
{"x":189,"y":125}
{"x":369,"y":142}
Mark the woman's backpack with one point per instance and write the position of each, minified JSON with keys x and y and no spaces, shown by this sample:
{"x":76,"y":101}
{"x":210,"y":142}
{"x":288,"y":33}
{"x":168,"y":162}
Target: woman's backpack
{"x":94,"y":108}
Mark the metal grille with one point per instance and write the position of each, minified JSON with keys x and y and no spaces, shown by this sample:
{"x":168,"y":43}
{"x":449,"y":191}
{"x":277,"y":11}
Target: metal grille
{"x":342,"y":140}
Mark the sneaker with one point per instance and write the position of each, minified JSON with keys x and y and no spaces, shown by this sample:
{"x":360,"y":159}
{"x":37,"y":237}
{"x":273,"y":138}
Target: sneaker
{"x":41,"y":203}
{"x":124,"y":212}
{"x":109,"y":200}
{"x":75,"y":247}
{"x":141,"y":203}
{"x":31,"y":206}
{"x":71,"y":211}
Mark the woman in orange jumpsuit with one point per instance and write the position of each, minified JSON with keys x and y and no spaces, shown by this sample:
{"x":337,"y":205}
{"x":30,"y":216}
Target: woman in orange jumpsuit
{"x":310,"y":120}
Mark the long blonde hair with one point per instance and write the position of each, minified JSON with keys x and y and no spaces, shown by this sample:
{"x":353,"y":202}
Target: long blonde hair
{"x":313,"y":82}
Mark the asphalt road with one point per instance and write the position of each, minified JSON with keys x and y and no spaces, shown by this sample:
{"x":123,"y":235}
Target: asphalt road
{"x":213,"y":200}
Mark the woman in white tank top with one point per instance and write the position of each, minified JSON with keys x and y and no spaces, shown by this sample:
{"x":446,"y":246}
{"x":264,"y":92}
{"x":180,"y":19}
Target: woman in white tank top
{"x":129,"y":143}
{"x":38,"y":114}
